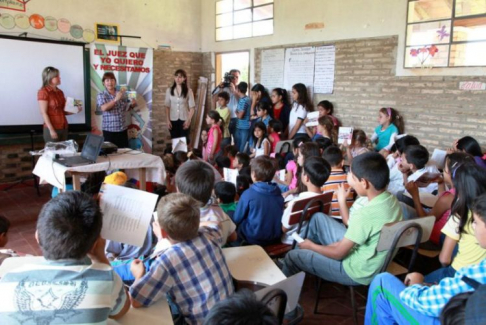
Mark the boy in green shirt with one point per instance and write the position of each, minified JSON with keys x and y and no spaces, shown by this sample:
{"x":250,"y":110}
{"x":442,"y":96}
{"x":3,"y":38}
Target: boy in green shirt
{"x":348,"y":255}
{"x":226,"y":192}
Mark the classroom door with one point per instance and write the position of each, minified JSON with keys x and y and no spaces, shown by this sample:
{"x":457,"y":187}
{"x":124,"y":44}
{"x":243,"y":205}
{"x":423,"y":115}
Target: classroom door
{"x":232,"y":60}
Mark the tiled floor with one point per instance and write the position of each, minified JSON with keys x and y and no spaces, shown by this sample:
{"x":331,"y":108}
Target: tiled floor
{"x":22,"y":205}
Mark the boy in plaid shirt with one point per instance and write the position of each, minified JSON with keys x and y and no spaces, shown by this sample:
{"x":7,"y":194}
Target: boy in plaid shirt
{"x":192,"y":272}
{"x":391,"y":302}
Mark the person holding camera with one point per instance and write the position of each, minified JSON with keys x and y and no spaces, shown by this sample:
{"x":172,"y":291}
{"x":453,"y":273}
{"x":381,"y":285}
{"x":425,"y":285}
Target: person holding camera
{"x":230,"y":81}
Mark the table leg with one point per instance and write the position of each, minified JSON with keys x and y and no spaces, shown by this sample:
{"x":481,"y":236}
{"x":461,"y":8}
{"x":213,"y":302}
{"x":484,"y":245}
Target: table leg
{"x":76,"y":181}
{"x":143,"y":182}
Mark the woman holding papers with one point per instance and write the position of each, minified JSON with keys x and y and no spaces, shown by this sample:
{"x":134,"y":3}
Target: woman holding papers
{"x":51,"y":104}
{"x":179,"y":102}
{"x":114,"y":105}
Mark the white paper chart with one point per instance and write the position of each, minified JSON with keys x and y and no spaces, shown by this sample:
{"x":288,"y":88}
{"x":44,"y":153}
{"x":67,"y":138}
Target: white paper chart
{"x":299,"y":66}
{"x":324,"y":69}
{"x":272,"y":68}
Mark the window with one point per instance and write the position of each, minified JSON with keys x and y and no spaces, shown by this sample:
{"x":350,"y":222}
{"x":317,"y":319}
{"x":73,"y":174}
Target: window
{"x":243,"y":18}
{"x":446,"y":33}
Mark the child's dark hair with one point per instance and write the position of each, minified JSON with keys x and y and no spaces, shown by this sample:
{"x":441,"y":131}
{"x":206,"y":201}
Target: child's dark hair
{"x":224,"y":95}
{"x":243,"y":183}
{"x":265,"y":106}
{"x":197,"y":152}
{"x":195,"y":178}
{"x":456,"y":159}
{"x":479,"y":207}
{"x":327,"y":123}
{"x":395,"y":118}
{"x":333,"y":155}
{"x":180,"y":157}
{"x":264,"y":93}
{"x":242,"y":87}
{"x":303,"y":98}
{"x":327,"y":105}
{"x":223,"y":162}
{"x":68,"y":226}
{"x":93,"y":183}
{"x":243,"y":159}
{"x":246,"y":171}
{"x":299,"y":141}
{"x":215,"y":116}
{"x":470,"y":182}
{"x":359,"y":136}
{"x":309,"y":149}
{"x":283,"y":93}
{"x":276,"y":125}
{"x":242,"y":308}
{"x":263,"y":168}
{"x":404,"y":142}
{"x":417,"y":155}
{"x":454,"y":312}
{"x":225,"y":191}
{"x":230,"y":150}
{"x":324,"y":143}
{"x":263,"y":127}
{"x":318,"y":170}
{"x":4,"y":225}
{"x":372,"y":167}
{"x":470,"y":145}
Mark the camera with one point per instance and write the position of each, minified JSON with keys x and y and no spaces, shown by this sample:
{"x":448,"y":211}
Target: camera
{"x":227,"y":79}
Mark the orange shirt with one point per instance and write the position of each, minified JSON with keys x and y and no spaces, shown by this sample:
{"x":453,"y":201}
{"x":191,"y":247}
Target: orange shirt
{"x":332,"y":184}
{"x":55,"y":106}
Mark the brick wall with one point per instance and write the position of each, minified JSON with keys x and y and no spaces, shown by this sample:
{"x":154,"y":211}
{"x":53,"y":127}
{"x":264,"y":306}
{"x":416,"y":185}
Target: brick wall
{"x":434,"y":108}
{"x":15,"y":161}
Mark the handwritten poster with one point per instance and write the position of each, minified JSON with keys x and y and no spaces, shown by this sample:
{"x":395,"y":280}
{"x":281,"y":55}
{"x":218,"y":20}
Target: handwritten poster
{"x":272,"y":68}
{"x":324,"y":69}
{"x":299,"y":66}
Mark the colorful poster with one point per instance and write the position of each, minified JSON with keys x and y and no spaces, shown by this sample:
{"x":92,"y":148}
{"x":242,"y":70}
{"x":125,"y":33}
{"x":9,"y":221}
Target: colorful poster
{"x":133,"y":69}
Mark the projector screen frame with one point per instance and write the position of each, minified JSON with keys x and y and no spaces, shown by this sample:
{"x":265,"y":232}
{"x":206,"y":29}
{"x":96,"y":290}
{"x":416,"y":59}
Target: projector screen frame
{"x":18,"y":129}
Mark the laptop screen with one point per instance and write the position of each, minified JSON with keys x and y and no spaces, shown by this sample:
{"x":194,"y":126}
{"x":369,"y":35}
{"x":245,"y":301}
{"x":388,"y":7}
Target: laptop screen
{"x":92,"y":147}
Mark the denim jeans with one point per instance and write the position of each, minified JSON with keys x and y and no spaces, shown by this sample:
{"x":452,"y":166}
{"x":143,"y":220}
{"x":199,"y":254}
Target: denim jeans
{"x":232,"y":125}
{"x":241,"y":137}
{"x":437,"y":275}
{"x":323,"y":230}
{"x":385,"y":307}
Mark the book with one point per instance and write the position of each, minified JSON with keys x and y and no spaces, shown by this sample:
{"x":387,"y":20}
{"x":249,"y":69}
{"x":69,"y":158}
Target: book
{"x":131,"y":94}
{"x":72,"y":105}
{"x":438,"y":158}
{"x":230,"y":175}
{"x":345,"y":133}
{"x":312,"y":118}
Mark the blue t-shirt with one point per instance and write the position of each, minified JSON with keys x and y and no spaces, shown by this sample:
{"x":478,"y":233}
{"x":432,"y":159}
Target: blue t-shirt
{"x":244,"y":105}
{"x":384,"y":136}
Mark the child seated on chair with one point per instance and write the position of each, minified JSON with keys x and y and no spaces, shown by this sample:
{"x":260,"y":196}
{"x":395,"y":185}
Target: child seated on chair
{"x":259,"y":211}
{"x":225,"y":193}
{"x":314,"y":174}
{"x":414,"y":302}
{"x":348,"y":255}
{"x":192,"y":272}
{"x":75,"y":283}
{"x":334,"y":156}
{"x":196,"y":179}
{"x":242,"y":160}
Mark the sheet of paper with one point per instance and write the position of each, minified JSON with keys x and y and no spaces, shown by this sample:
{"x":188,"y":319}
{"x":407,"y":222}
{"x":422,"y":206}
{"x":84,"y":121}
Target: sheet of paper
{"x":438,"y":158}
{"x":325,"y":61}
{"x":179,"y":144}
{"x":281,"y":174}
{"x":345,"y":133}
{"x":299,"y":66}
{"x":127,"y":214}
{"x":230,"y":175}
{"x":312,"y":118}
{"x":71,"y":105}
{"x":297,"y":238}
{"x":273,"y":68}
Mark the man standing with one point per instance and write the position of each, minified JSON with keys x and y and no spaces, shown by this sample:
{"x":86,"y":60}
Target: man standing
{"x":233,"y":103}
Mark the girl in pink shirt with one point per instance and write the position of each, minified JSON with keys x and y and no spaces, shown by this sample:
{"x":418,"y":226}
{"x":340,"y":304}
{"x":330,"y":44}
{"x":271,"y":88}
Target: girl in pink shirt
{"x":274,"y":131}
{"x":214,"y":136}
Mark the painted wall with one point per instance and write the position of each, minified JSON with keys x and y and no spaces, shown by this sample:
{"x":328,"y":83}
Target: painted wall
{"x":159,"y":22}
{"x":345,"y":19}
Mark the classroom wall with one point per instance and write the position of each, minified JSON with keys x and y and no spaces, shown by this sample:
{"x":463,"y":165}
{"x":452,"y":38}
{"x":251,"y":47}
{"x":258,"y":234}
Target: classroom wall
{"x":434,"y":108}
{"x":348,"y":19}
{"x":169,"y":22}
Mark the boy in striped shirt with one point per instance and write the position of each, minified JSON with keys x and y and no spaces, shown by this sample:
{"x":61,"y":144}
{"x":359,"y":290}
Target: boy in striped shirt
{"x":76,"y":284}
{"x":334,"y":156}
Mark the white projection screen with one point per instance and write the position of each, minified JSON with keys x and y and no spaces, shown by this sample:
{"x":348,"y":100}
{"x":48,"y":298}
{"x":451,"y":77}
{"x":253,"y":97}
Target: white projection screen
{"x":22,"y":61}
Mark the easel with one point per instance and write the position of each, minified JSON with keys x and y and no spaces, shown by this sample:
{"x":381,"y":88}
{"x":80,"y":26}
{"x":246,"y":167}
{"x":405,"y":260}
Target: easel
{"x":23,"y":179}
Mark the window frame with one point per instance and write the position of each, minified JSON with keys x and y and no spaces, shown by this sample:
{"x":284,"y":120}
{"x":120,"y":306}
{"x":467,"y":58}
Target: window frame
{"x":451,"y":37}
{"x":250,"y":22}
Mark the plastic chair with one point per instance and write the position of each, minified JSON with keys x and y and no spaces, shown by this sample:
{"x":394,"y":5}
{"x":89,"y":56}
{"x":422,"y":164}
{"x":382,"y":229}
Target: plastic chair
{"x":276,"y":300}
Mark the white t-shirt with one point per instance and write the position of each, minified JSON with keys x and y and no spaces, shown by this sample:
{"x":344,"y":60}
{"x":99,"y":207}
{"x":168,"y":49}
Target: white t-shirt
{"x":261,"y":151}
{"x":298,"y":112}
{"x":287,"y":237}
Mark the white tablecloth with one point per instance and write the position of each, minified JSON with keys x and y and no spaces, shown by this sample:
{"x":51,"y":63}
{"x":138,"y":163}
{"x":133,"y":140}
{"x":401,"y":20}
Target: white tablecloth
{"x":54,"y":173}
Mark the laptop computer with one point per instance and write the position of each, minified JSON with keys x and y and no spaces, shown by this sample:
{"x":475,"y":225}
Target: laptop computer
{"x":91,"y":150}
